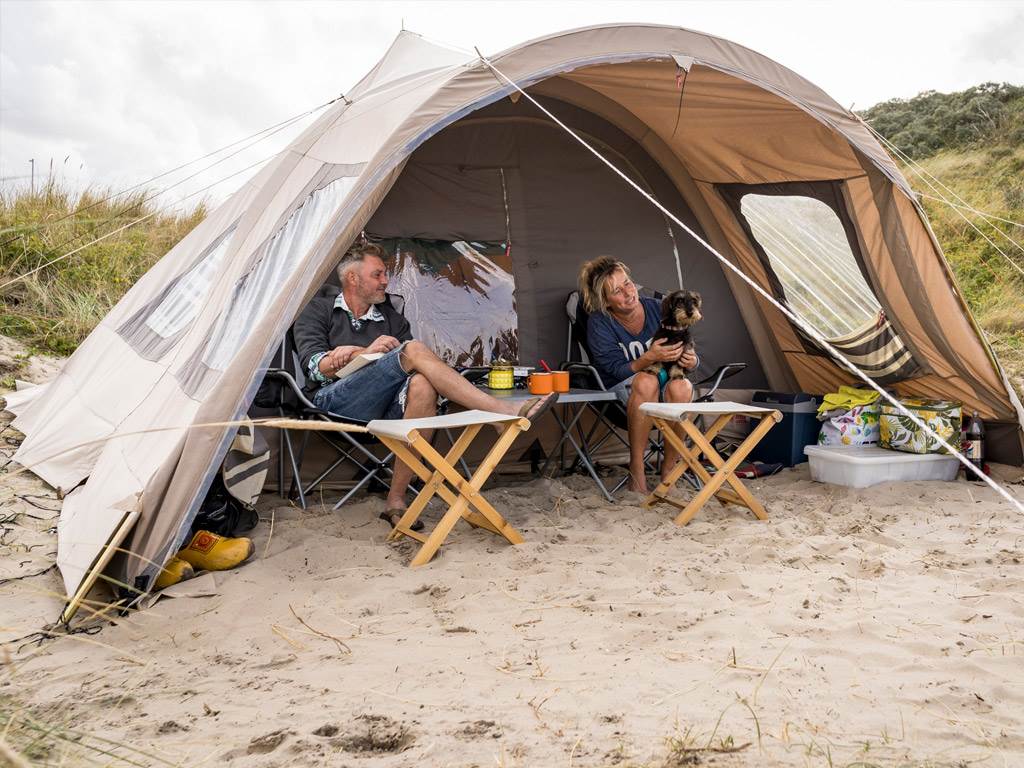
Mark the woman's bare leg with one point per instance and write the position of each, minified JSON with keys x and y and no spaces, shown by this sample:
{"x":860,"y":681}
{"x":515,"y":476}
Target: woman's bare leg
{"x":676,"y":391}
{"x":644,"y":390}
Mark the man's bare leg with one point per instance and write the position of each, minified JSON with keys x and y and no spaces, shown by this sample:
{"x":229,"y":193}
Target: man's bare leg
{"x":676,"y":391}
{"x":418,"y":358}
{"x":420,"y":402}
{"x":644,"y":390}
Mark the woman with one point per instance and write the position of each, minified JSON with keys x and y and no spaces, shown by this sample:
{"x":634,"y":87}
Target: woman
{"x":619,"y":334}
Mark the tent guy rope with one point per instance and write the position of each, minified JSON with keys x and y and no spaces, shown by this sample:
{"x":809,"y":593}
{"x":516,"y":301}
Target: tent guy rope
{"x":956,"y":209}
{"x":269,"y":131}
{"x":164,"y":209}
{"x":793,"y":317}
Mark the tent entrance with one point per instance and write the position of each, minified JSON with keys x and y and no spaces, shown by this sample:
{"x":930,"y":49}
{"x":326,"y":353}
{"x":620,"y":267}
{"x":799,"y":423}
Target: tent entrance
{"x":506,"y":174}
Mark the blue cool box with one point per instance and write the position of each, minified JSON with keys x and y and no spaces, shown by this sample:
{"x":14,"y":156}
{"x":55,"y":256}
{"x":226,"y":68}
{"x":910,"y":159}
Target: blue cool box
{"x":799,"y":427}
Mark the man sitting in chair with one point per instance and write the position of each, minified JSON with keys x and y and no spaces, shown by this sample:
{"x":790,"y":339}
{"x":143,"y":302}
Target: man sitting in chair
{"x":404,"y":383}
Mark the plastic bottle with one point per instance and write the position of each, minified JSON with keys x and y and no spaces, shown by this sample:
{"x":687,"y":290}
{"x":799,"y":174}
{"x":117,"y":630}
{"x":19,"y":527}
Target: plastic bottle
{"x":975,"y":446}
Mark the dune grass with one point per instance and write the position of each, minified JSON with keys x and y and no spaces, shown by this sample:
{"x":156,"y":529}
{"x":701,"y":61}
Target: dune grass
{"x":54,"y":309}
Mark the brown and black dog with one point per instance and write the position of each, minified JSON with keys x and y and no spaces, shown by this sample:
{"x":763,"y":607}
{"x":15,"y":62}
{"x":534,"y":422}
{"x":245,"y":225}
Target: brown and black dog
{"x":679,"y":311}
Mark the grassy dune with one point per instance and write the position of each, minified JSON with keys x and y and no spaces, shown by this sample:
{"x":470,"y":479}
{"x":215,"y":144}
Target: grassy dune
{"x":991,"y":180}
{"x":55,"y":308}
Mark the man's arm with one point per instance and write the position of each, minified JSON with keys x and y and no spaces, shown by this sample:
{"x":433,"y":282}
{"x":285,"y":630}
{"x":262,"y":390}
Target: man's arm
{"x":312,"y":338}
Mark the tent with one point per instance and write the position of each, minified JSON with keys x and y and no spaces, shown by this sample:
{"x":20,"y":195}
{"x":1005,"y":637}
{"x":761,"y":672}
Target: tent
{"x":432,"y":145}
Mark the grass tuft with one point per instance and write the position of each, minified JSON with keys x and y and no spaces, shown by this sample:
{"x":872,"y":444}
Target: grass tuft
{"x":54,"y":309}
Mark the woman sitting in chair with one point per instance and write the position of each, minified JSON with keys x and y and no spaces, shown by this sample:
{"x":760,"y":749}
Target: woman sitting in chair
{"x":619,"y":332}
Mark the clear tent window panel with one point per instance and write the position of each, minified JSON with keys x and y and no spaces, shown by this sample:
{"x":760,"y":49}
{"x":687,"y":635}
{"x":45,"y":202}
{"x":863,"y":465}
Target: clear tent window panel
{"x":459,"y":297}
{"x":808,"y":249}
{"x":156,"y":327}
{"x":258,"y":287}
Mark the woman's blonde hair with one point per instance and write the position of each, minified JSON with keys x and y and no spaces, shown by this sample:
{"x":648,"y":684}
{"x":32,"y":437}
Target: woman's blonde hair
{"x":593,"y":277}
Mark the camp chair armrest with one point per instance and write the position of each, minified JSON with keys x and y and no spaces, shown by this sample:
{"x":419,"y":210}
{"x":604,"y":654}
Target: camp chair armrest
{"x":305,"y":403}
{"x":584,"y":368}
{"x":723,"y":372}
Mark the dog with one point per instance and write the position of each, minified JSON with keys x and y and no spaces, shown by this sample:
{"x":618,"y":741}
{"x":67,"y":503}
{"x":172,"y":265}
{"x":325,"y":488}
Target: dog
{"x":679,"y":311}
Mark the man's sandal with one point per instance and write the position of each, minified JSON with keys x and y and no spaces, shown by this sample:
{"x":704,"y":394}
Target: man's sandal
{"x":545,"y":406}
{"x":392,"y":516}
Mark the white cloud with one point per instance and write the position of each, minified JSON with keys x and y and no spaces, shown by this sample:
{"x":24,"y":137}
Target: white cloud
{"x":132,"y":89}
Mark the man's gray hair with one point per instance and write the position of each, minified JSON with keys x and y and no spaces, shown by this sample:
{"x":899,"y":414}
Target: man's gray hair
{"x":355,"y":256}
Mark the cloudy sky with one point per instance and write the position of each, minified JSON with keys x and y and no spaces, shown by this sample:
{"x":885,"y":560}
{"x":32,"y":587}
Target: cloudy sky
{"x":116,"y":93}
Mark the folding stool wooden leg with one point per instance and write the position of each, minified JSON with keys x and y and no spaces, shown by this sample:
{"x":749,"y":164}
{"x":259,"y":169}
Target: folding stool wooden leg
{"x":725,"y":468}
{"x":467,"y":492}
{"x":433,"y":482}
{"x":676,"y":435}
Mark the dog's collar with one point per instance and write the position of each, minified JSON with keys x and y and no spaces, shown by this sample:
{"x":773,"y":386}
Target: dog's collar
{"x":674,"y":327}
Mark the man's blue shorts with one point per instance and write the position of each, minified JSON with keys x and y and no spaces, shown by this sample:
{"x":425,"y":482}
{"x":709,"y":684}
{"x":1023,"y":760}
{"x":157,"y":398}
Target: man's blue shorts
{"x":376,"y":391}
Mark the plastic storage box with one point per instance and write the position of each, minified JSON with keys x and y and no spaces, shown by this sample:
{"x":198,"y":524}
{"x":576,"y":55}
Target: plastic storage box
{"x":862,"y":466}
{"x":799,"y":427}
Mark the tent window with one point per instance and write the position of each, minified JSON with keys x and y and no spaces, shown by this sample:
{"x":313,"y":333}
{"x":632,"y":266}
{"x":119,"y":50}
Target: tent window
{"x":460,"y":297}
{"x":256,"y":289}
{"x":809,"y":251}
{"x":157,"y":326}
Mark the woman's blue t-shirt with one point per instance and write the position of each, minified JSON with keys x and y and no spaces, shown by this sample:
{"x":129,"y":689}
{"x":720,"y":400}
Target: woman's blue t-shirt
{"x":613,"y":347}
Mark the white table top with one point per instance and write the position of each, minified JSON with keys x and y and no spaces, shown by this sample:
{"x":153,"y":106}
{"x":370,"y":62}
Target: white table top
{"x":572,"y":396}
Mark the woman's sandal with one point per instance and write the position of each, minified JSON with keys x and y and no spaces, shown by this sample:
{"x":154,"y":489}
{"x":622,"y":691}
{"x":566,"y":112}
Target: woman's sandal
{"x":528,"y":404}
{"x":392,"y":516}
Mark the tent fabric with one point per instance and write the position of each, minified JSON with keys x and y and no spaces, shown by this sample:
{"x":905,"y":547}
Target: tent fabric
{"x":131,"y":412}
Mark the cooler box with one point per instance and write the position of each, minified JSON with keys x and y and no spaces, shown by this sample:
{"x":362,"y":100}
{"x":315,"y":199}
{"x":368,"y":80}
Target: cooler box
{"x":799,"y":427}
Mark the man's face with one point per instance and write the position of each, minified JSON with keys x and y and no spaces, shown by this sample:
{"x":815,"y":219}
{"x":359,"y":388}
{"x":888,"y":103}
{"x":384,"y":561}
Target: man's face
{"x":621,"y":293}
{"x":371,"y":280}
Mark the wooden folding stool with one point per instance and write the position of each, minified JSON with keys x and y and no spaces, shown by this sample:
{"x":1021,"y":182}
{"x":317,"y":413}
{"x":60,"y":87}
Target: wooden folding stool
{"x":675,"y":420}
{"x":403,"y":438}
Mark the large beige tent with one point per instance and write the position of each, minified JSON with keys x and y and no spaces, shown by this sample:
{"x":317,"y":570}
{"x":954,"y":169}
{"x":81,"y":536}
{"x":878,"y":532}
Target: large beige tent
{"x":433,"y":144}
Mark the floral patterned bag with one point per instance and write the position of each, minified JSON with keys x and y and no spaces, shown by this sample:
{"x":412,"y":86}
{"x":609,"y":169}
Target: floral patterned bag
{"x":899,"y":433}
{"x":857,"y":426}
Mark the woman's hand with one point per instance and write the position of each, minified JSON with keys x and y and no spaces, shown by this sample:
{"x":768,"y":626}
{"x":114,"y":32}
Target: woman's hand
{"x":663,"y":352}
{"x":688,"y":359}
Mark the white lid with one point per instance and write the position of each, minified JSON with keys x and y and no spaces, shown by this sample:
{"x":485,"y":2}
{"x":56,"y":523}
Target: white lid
{"x":871,"y":454}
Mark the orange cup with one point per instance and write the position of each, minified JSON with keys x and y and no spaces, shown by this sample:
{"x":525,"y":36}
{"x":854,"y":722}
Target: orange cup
{"x":540,"y":383}
{"x":560,"y":381}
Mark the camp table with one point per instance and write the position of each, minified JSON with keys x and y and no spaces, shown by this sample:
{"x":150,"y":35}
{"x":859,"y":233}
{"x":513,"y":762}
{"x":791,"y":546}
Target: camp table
{"x":575,"y":403}
{"x":675,"y":420}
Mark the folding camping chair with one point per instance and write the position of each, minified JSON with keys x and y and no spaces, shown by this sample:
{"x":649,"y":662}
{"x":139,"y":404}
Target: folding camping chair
{"x":403,"y":437}
{"x":577,"y":362}
{"x":288,"y":399}
{"x":676,"y":422}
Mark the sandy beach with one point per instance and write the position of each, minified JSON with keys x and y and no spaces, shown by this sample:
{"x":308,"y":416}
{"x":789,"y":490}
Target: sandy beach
{"x":876,"y":627}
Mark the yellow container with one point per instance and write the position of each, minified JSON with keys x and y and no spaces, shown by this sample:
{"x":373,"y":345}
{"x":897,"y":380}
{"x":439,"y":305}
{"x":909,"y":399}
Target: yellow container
{"x":500,"y":377}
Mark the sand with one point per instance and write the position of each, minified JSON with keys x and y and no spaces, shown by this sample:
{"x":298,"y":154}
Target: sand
{"x":853,"y":628}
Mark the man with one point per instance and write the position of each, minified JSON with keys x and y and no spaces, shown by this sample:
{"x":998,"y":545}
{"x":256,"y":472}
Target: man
{"x":404,"y":383}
